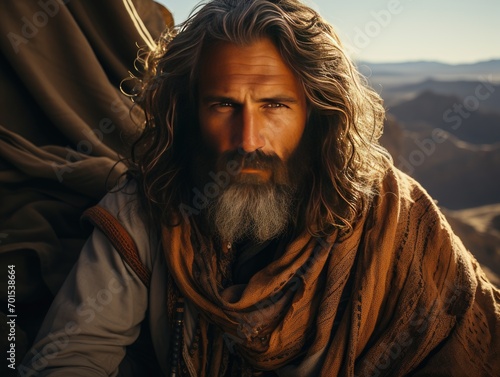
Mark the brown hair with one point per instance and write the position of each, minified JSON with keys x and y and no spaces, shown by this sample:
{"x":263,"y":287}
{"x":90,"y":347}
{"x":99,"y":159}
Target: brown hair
{"x":346,"y":117}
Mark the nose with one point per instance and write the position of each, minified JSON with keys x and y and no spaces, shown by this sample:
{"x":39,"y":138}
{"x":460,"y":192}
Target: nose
{"x":252,"y":127}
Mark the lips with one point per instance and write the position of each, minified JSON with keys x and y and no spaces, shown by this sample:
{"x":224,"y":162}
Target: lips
{"x":263,"y":174}
{"x":254,"y":167}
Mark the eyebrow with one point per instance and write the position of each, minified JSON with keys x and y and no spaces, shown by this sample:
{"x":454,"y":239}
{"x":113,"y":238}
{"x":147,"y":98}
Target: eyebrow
{"x":277,"y":98}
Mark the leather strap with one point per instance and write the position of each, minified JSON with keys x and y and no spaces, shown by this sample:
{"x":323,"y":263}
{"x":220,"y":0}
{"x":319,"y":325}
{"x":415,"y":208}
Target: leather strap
{"x":119,"y":238}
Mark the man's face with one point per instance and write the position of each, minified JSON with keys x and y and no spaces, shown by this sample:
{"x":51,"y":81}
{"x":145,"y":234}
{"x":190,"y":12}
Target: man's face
{"x":252,"y":110}
{"x":249,"y":100}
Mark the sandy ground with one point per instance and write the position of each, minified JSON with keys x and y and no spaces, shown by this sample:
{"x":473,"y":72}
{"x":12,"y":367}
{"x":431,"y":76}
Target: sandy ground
{"x":478,"y":228}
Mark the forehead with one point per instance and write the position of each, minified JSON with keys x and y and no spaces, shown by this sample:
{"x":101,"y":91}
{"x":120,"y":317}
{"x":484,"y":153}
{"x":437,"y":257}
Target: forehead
{"x":257,"y":63}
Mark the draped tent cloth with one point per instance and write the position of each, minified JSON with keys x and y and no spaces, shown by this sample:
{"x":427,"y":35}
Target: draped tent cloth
{"x":419,"y":303}
{"x":64,"y":123}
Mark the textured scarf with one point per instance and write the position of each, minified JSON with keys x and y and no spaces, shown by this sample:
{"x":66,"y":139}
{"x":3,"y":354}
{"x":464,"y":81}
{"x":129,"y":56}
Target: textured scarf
{"x":417,"y":300}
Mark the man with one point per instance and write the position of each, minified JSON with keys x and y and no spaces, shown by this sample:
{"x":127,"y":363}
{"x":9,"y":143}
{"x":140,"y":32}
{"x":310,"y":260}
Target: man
{"x":274,"y":235}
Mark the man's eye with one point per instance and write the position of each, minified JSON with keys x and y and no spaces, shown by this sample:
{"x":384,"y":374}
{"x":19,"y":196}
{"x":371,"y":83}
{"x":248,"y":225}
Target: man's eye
{"x":275,"y":106}
{"x":219,"y":105}
{"x":223,"y":106}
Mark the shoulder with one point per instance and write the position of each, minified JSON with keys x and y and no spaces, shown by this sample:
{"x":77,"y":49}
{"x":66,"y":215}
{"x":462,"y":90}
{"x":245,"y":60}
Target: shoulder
{"x":404,"y":208}
{"x":405,"y":191}
{"x":122,"y":202}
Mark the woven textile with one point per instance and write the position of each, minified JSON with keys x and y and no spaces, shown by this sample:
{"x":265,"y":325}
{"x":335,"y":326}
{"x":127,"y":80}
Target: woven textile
{"x":419,"y":302}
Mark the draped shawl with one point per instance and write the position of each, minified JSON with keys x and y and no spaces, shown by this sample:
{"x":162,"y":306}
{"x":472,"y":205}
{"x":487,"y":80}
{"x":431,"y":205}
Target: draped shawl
{"x":417,"y":300}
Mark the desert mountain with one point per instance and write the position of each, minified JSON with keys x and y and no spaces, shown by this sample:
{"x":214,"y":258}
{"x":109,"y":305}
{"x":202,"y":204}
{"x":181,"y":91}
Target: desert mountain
{"x":450,"y":113}
{"x":458,"y":174}
{"x":415,"y":72}
{"x":479,"y":230}
{"x":446,"y":134}
{"x":486,"y":91}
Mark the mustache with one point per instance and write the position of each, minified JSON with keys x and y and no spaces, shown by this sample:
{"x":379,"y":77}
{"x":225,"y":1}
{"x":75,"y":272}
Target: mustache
{"x":251,"y":160}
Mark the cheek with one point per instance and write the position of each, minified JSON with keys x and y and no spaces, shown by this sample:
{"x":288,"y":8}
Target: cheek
{"x":292,"y":134}
{"x":213,"y":133}
{"x":298,"y":131}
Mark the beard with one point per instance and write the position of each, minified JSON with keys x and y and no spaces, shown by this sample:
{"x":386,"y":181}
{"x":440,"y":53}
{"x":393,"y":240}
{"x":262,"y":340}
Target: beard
{"x":250,"y":206}
{"x":258,"y":212}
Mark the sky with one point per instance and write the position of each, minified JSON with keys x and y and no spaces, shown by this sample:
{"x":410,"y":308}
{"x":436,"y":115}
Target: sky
{"x":447,"y":31}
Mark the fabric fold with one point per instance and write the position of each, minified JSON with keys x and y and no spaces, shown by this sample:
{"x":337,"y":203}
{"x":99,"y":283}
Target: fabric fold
{"x":375,"y":300}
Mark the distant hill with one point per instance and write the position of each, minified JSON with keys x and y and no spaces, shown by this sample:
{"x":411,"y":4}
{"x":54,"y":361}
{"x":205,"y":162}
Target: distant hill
{"x":394,"y":74}
{"x":449,"y":112}
{"x":460,"y":165}
{"x":483,"y":67}
{"x":458,"y":174}
{"x":447,"y":141}
{"x":472,"y":226}
{"x":488,"y":93}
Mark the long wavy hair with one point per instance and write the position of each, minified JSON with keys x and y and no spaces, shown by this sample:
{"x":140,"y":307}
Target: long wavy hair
{"x":346,"y":117}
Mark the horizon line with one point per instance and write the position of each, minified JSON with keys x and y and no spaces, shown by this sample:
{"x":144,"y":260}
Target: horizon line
{"x":367,"y":61}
